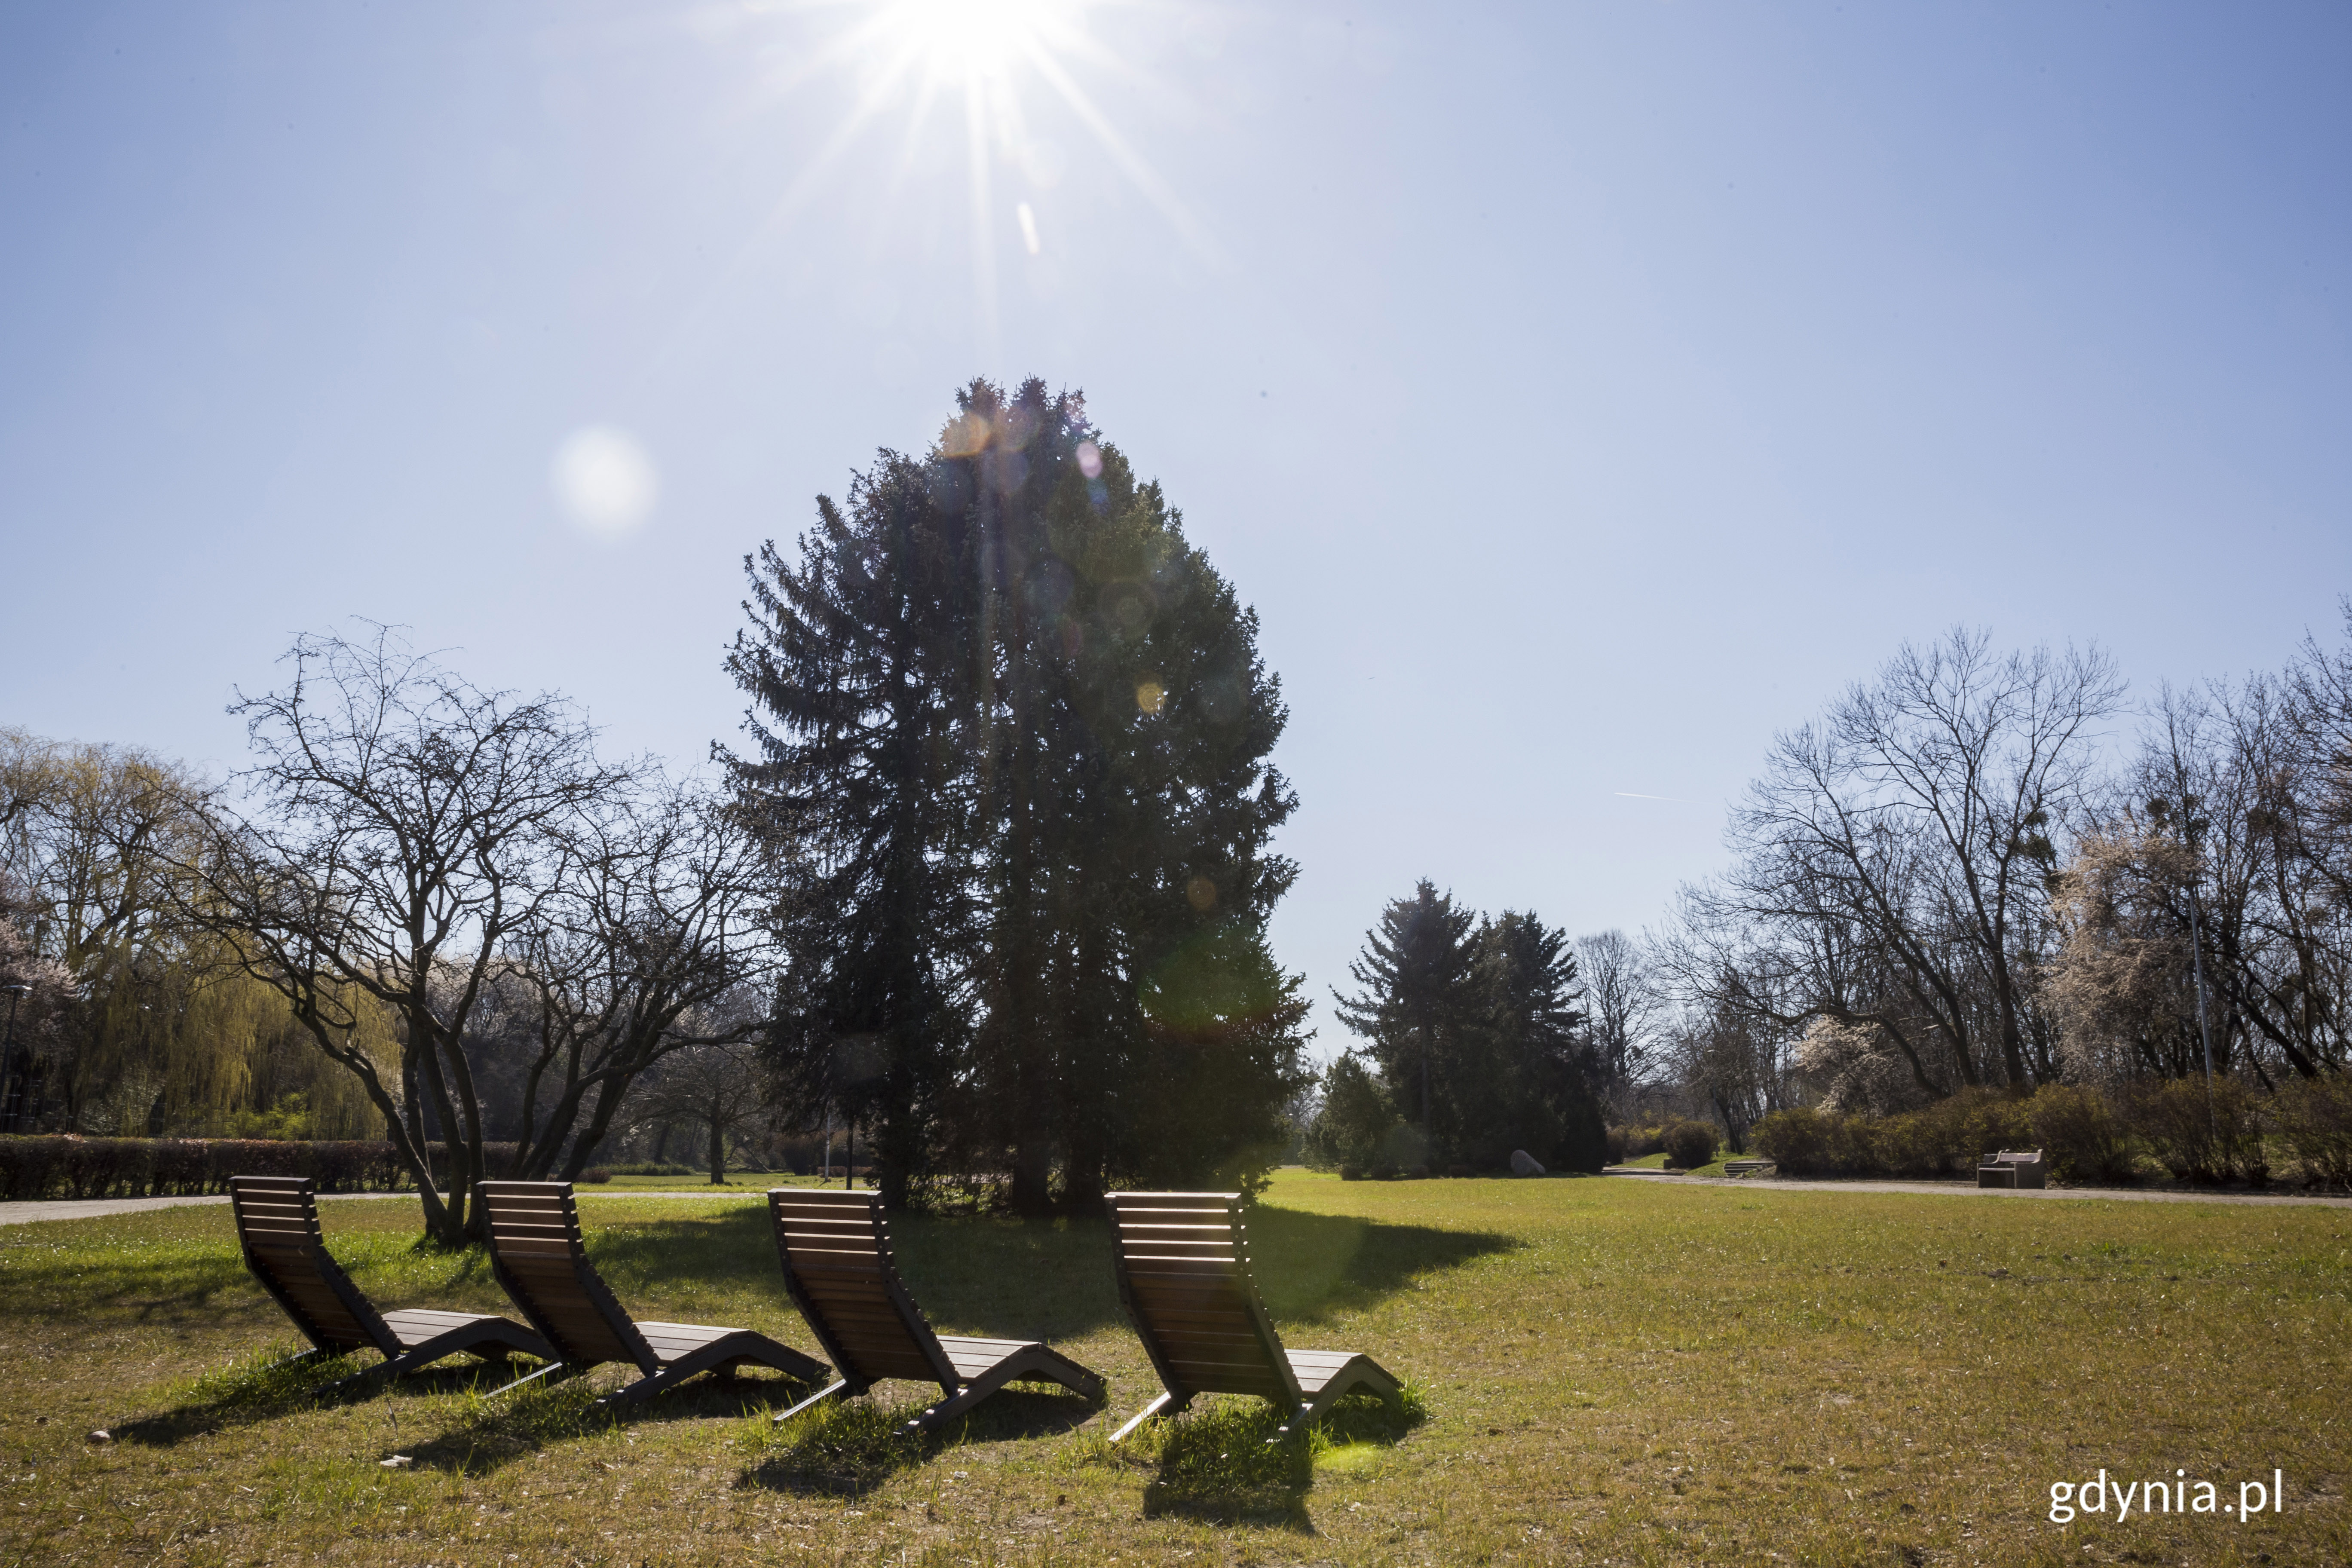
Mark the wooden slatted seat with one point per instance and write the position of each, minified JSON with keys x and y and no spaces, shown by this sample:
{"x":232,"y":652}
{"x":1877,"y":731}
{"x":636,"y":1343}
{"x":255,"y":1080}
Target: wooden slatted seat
{"x":1184,"y":1277}
{"x":277,"y":1230}
{"x":539,"y":1257}
{"x":835,"y":1249}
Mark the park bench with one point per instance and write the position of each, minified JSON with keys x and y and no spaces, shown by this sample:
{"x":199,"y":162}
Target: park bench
{"x":277,"y":1230}
{"x":2011,"y":1168}
{"x":1185,"y":1278}
{"x":1748,"y":1167}
{"x":538,"y":1255}
{"x":835,"y":1249}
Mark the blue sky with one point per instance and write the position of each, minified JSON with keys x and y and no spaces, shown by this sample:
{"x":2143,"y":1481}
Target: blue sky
{"x":1580,"y":394}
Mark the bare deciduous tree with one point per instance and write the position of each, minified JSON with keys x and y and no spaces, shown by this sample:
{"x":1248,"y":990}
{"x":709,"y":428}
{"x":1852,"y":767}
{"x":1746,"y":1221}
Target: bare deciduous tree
{"x":1891,"y":863}
{"x":713,"y":1083}
{"x":657,"y":922}
{"x":1624,"y":1006}
{"x":406,"y":831}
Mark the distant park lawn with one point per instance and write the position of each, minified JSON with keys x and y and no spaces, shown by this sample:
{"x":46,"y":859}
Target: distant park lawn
{"x":1612,"y":1371}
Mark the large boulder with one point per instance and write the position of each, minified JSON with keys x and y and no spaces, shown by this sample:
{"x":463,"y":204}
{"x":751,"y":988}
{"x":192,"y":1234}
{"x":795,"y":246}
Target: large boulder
{"x":1525,"y":1165}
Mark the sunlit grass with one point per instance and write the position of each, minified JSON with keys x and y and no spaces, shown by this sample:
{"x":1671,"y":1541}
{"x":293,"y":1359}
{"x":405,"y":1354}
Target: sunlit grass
{"x":1599,"y":1370}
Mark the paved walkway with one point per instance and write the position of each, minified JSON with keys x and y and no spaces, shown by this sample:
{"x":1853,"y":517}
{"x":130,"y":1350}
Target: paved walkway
{"x":1965,"y":1190}
{"x":94,"y":1208}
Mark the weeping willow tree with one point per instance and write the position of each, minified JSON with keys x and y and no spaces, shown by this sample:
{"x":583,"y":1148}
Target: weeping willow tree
{"x":162,"y":1033}
{"x":175,"y":1043}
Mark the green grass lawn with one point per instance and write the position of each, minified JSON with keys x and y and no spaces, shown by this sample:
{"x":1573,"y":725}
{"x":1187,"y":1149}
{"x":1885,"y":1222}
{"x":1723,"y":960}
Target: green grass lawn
{"x":1658,"y":1163}
{"x":1611,"y":1371}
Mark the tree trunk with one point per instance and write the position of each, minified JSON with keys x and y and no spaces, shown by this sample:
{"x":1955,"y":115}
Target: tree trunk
{"x":718,"y":1147}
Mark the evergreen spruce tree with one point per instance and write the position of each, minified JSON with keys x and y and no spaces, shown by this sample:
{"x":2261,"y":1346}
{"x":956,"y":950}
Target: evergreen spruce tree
{"x":1015,"y":745}
{"x":1474,"y":1027}
{"x":858,"y":666}
{"x":1417,"y":1011}
{"x":1536,"y":1092}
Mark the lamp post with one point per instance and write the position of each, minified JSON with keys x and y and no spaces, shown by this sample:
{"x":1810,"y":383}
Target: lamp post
{"x":7,"y":1052}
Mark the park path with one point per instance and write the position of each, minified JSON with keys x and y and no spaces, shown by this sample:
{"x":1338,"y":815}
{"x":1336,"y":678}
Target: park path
{"x":94,"y":1208}
{"x":1962,"y":1190}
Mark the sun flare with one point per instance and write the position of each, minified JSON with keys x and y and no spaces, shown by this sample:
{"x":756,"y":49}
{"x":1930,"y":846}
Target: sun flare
{"x":969,"y":38}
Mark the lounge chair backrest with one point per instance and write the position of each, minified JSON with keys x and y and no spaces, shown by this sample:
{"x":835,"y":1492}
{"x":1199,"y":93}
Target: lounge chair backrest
{"x":835,"y":1249}
{"x":1184,"y":1276}
{"x":278,"y":1227}
{"x":538,"y":1255}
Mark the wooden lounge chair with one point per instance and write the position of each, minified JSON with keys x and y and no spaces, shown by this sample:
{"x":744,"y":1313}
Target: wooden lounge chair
{"x":1184,"y":1276}
{"x":835,"y":1249}
{"x":538,"y":1255}
{"x":277,"y":1230}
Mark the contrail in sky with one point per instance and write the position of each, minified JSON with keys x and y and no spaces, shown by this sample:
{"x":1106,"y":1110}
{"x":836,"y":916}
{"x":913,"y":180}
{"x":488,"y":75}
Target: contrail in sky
{"x":1629,"y":795}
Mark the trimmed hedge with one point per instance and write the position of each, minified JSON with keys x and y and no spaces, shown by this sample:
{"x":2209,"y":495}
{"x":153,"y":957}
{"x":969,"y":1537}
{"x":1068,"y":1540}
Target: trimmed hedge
{"x":65,"y":1166}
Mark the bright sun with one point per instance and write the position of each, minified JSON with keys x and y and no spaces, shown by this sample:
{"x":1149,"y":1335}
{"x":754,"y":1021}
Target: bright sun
{"x":970,"y":38}
{"x":976,"y":60}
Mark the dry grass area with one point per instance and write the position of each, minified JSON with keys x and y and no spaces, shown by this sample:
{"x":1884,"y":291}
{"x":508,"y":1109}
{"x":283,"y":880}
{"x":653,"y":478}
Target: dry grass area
{"x":1610,"y":1372}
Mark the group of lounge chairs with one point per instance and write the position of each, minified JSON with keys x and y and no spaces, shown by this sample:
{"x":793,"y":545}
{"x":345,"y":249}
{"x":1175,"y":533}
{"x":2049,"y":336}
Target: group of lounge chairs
{"x":1181,"y":1260}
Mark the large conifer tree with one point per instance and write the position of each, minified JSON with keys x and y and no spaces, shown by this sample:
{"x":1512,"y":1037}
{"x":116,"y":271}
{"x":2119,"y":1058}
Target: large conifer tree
{"x":860,"y":657}
{"x":1005,"y":671}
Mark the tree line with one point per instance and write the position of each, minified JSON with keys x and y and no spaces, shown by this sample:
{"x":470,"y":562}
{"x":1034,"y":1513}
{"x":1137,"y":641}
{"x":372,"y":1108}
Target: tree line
{"x":1981,"y":871}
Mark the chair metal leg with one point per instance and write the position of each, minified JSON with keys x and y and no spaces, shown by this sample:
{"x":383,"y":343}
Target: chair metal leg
{"x":813,"y":1400}
{"x":1146,"y":1413}
{"x":557,"y":1369}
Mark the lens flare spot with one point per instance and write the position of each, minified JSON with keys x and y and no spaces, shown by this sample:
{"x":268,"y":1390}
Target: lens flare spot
{"x":1152,"y":697}
{"x":605,"y":481}
{"x":1090,"y":459}
{"x":1028,"y":226}
{"x":1201,"y":893}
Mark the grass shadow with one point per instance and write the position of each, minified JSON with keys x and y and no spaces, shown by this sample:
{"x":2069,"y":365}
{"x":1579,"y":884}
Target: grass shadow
{"x":1223,"y":1465}
{"x":1316,"y":1265}
{"x":1046,"y":1279}
{"x":846,"y":1447}
{"x":278,"y":1381}
{"x":491,"y":1433}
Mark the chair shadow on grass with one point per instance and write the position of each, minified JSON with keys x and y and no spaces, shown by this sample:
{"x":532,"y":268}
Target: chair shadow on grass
{"x":493,"y":1433}
{"x":846,"y":1447}
{"x":1047,"y":1280}
{"x":1222,"y":1465}
{"x":273,"y":1382}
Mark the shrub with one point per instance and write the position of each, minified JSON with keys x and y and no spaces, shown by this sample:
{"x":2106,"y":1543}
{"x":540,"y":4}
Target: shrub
{"x":596,"y":1175}
{"x":1801,"y":1140}
{"x":1356,"y":1123}
{"x":2314,"y":1117}
{"x":1690,"y":1144}
{"x":1795,"y":1139}
{"x":2200,"y":1135}
{"x":2078,"y":1134}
